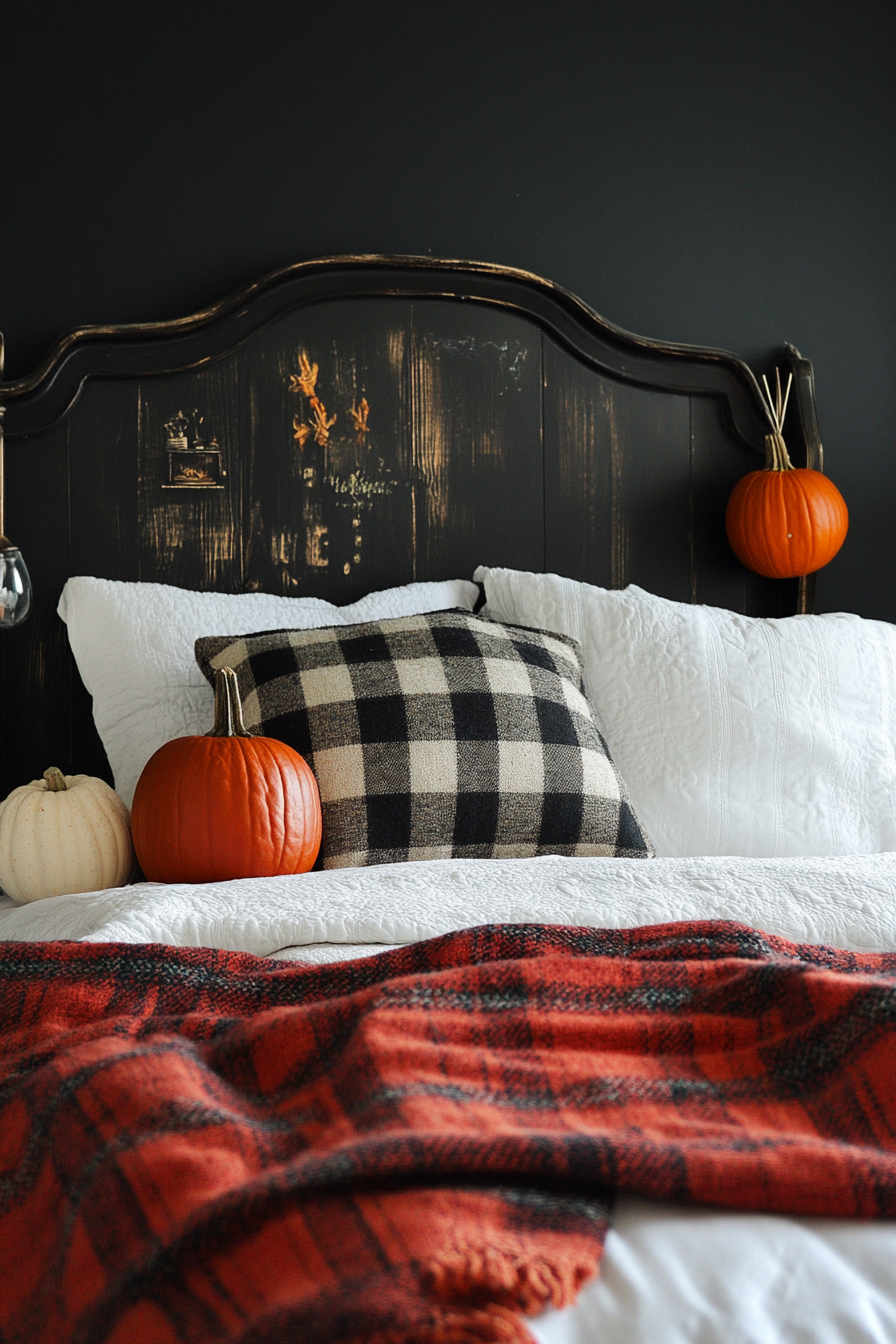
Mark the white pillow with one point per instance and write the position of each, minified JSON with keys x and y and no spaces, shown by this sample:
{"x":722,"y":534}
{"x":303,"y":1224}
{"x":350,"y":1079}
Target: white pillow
{"x":133,"y":643}
{"x":734,"y":734}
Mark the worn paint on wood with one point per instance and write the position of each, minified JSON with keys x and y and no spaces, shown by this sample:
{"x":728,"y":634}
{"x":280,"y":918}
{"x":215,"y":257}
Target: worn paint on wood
{"x":368,"y":436}
{"x":334,"y":498}
{"x":477,"y":440}
{"x":617,"y":480}
{"x":189,"y":532}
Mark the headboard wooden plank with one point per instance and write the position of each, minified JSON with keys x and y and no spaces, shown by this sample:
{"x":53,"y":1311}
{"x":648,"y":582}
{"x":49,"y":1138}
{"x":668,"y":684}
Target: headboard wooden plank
{"x":616,"y":504}
{"x":323,"y":468}
{"x":102,"y":480}
{"x":478,"y":458}
{"x":354,"y":423}
{"x":184,"y":531}
{"x":654,"y":490}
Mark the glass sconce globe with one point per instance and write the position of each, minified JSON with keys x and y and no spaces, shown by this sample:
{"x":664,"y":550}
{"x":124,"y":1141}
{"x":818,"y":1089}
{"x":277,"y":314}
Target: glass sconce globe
{"x":15,"y":586}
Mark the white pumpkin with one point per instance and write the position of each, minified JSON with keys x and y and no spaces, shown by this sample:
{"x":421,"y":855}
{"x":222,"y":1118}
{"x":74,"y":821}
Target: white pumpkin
{"x":63,"y":833}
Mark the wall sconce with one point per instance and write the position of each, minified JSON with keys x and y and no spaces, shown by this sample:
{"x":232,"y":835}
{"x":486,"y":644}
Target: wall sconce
{"x":15,"y":584}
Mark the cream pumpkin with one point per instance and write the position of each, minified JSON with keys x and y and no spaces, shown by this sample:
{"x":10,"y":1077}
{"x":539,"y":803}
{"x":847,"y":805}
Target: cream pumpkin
{"x":63,"y":833}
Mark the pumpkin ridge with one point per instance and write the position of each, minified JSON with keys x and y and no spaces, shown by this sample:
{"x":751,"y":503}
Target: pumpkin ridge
{"x":93,"y":828}
{"x":86,"y":850}
{"x":277,"y":809}
{"x":779,"y":525}
{"x":35,"y":837}
{"x":801,"y":545}
{"x":769,"y":493}
{"x":784,"y":521}
{"x":837,"y":513}
{"x":254,"y":785}
{"x":756,"y":497}
{"x":277,"y":833}
{"x":811,"y":523}
{"x":181,"y":814}
{"x":752,"y":498}
{"x":278,"y":818}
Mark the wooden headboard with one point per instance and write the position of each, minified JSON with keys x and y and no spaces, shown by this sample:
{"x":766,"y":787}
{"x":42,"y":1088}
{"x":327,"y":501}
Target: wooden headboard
{"x":356,"y":422}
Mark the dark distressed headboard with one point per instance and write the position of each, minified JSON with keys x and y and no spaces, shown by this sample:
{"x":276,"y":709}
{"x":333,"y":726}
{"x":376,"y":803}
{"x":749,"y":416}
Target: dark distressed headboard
{"x":362,"y":422}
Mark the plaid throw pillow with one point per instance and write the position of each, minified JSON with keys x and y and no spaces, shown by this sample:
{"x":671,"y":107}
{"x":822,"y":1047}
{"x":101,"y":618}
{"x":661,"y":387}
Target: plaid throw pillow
{"x":439,"y":736}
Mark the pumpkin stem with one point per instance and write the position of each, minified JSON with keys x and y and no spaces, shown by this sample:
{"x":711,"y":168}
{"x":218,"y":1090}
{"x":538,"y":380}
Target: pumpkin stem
{"x":55,"y":780}
{"x":228,"y":706}
{"x":777,"y":457}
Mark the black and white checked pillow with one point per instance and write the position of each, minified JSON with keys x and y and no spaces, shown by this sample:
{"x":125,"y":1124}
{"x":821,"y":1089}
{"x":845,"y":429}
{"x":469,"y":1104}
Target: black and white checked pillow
{"x":438,"y":736}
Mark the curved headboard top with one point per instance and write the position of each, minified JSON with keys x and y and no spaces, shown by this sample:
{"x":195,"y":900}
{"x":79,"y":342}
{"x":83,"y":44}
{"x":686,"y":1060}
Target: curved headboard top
{"x":141,"y":349}
{"x":351,"y":423}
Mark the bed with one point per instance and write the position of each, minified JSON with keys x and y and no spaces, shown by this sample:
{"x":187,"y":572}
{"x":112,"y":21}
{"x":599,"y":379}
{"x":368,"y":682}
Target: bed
{"x":421,"y":446}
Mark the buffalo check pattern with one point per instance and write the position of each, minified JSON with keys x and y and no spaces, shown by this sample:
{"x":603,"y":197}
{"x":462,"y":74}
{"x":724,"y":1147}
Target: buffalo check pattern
{"x":436,"y":736}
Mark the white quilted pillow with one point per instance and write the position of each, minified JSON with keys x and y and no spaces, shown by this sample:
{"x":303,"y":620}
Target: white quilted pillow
{"x":133,"y":643}
{"x":734,"y":734}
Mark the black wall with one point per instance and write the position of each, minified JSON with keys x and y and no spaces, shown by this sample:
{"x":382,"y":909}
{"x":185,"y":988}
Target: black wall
{"x":703,"y":171}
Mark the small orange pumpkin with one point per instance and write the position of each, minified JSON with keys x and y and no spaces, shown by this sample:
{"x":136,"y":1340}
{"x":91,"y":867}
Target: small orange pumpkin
{"x":785,"y":521}
{"x":225,"y":805}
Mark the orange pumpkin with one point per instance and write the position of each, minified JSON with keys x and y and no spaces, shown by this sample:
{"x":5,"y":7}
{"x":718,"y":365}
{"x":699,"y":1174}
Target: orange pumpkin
{"x":785,"y":521}
{"x":228,"y":804}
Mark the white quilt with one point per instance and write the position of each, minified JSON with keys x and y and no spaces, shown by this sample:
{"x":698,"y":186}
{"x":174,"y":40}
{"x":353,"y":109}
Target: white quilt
{"x":671,"y":1275}
{"x":847,"y":901}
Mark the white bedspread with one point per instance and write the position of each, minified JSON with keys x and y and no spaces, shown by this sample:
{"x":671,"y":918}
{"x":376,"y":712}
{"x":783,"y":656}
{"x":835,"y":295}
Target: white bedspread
{"x":671,"y":1275}
{"x":849,"y":902}
{"x":675,"y":1275}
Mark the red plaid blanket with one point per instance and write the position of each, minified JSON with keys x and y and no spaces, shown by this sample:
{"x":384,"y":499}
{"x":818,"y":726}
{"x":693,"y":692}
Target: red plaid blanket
{"x":205,"y":1146}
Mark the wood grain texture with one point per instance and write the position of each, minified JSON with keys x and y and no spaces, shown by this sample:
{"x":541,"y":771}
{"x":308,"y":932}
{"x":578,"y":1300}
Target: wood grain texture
{"x":617,"y":480}
{"x":477,"y":440}
{"x":329,"y":504}
{"x":185,"y":531}
{"x":380,"y":420}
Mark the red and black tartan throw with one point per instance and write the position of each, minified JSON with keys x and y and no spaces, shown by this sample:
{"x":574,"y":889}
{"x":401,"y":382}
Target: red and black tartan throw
{"x":205,"y":1146}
